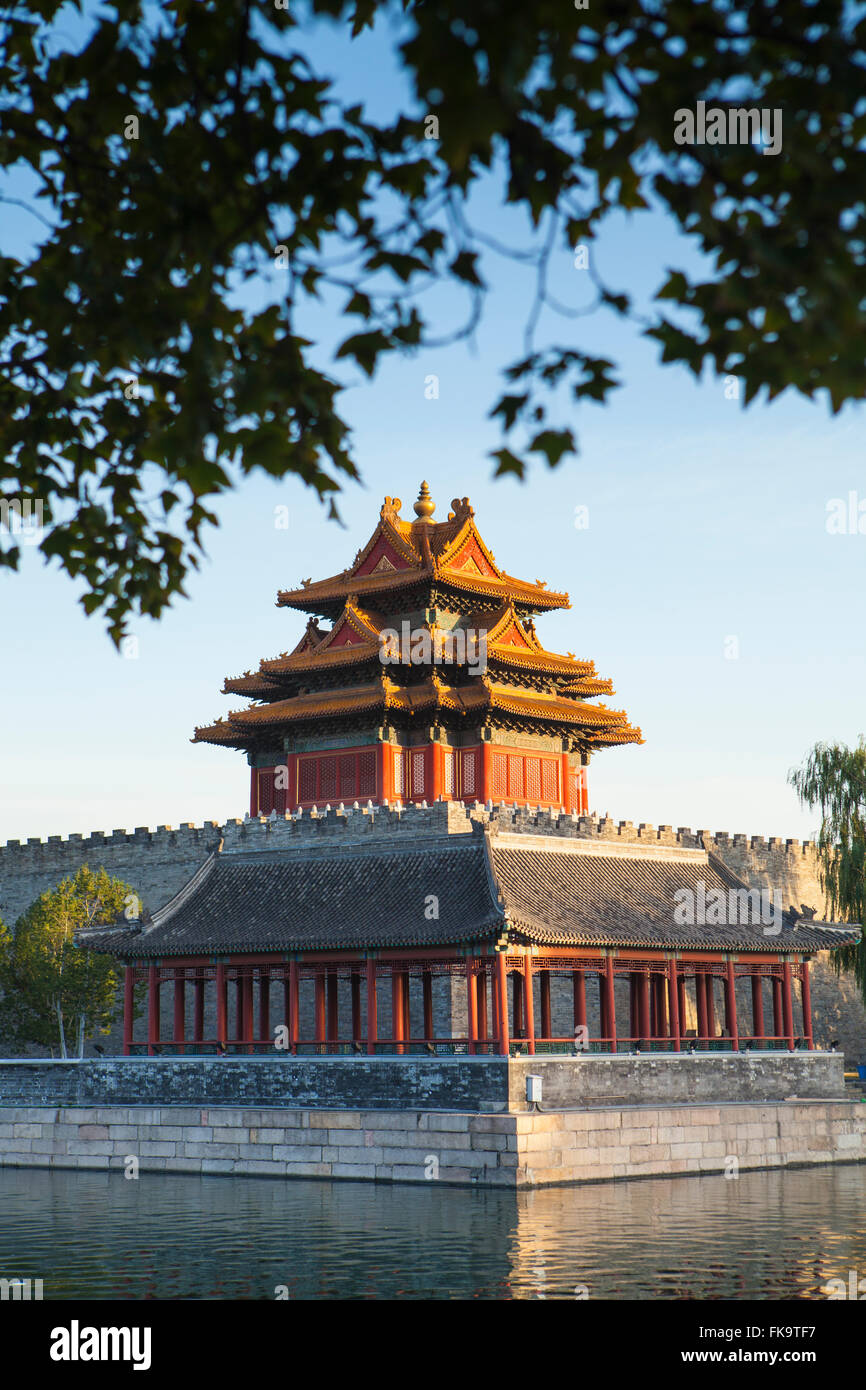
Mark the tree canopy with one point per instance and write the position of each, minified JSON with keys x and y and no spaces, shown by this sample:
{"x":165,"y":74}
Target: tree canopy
{"x":184,"y":152}
{"x":833,"y":779}
{"x":50,"y":983}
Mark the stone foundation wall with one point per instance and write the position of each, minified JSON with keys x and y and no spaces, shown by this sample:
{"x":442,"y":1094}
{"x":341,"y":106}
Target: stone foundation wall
{"x":506,"y":1150}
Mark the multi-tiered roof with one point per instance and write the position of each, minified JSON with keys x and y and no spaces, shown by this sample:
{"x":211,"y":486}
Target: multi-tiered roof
{"x":442,"y":578}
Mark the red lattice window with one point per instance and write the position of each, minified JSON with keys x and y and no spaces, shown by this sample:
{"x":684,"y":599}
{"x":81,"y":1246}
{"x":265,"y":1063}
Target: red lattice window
{"x":328,"y":778}
{"x":399,"y":786}
{"x":307,"y":779}
{"x":417,"y":774}
{"x":533,"y":779}
{"x":515,"y":777}
{"x":500,"y":776}
{"x":346,"y":776}
{"x":468,"y":783}
{"x":281,"y":789}
{"x":266,"y":792}
{"x":549,"y":782}
{"x":366,"y":774}
{"x":447,"y":772}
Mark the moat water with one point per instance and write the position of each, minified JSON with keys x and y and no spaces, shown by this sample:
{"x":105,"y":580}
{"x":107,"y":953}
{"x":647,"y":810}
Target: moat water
{"x":774,"y":1235}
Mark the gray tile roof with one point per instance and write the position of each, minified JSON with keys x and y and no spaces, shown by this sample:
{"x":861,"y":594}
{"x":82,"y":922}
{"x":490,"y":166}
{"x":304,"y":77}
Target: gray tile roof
{"x":355,"y":896}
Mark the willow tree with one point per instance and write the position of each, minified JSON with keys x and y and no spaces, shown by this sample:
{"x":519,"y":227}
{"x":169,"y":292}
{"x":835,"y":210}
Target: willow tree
{"x":52,"y":985}
{"x":833,"y":778}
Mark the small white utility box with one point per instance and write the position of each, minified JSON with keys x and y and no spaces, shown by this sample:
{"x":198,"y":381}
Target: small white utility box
{"x":533,"y":1090}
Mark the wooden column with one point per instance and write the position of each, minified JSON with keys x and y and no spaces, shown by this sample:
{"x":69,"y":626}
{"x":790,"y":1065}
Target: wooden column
{"x":397,"y":1010}
{"x":544,"y":991}
{"x":427,"y":999}
{"x":731,"y":1006}
{"x":128,"y":1008}
{"x":807,"y":1004}
{"x":356,"y":1006}
{"x":481,"y":990}
{"x":384,"y":780}
{"x":778,"y":1024}
{"x":758,"y":1006}
{"x":294,"y":1011}
{"x":264,"y":1006}
{"x":566,"y":784}
{"x":674,"y":1005}
{"x":198,"y":1010}
{"x":471,"y":1005}
{"x":372,"y":1031}
{"x":501,"y":988}
{"x":611,"y":1002}
{"x":494,"y":1003}
{"x":221,"y":1005}
{"x":529,"y":1003}
{"x":787,"y":1005}
{"x":320,"y":1009}
{"x":152,"y":1008}
{"x":486,"y":792}
{"x":701,"y":1000}
{"x":333,"y":1007}
{"x":179,"y":1004}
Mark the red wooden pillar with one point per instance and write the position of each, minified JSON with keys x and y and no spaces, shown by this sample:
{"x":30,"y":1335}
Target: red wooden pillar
{"x":807,"y":1004}
{"x":674,"y":1004}
{"x":544,"y":991}
{"x":152,"y":1008}
{"x":294,"y":1010}
{"x":529,"y":1003}
{"x":128,"y":1008}
{"x":471,"y":1005}
{"x":565,"y":780}
{"x":578,"y":989}
{"x":731,"y":1006}
{"x":384,"y":780}
{"x":644,"y":1010}
{"x":494,"y":1002}
{"x":610,"y":997}
{"x":372,"y":1025}
{"x":333,"y":1007}
{"x":486,"y":792}
{"x":787,"y":1005}
{"x":437,"y":771}
{"x":501,"y":988}
{"x":397,"y":1031}
{"x":221,"y":1005}
{"x":758,"y":1006}
{"x":264,"y":1006}
{"x":320,"y":1009}
{"x":710,"y":989}
{"x":701,"y":1000}
{"x":777,"y":1019}
{"x":356,"y":1006}
{"x":179,"y":1004}
{"x":290,"y":792}
{"x":427,"y":999}
{"x":481,"y":991}
{"x":198,"y":1009}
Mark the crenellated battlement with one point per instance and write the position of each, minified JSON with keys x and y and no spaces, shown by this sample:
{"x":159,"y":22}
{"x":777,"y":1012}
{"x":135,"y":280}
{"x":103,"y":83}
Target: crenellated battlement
{"x":157,"y":863}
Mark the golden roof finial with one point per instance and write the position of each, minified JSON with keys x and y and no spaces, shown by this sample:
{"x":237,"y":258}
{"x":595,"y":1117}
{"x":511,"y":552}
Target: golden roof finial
{"x":425,"y":506}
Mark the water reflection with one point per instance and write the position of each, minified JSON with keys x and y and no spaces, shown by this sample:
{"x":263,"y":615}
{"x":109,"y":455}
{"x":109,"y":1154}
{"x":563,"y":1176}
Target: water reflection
{"x":772,"y":1235}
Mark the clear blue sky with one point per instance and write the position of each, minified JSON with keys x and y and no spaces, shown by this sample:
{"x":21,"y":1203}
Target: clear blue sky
{"x":707,"y":523}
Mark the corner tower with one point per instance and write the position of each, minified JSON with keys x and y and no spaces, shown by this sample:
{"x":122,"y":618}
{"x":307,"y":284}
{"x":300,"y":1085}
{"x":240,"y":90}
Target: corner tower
{"x":420,"y":677}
